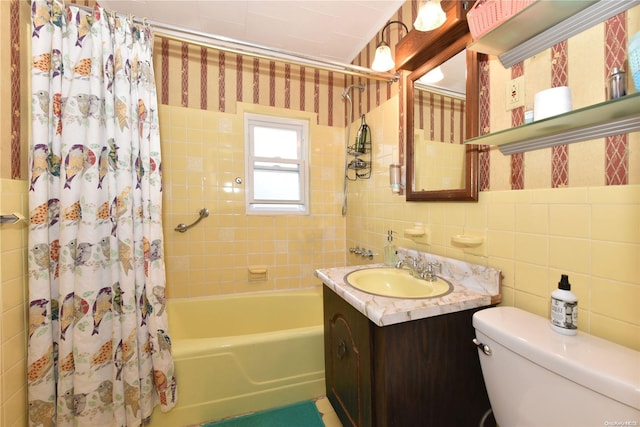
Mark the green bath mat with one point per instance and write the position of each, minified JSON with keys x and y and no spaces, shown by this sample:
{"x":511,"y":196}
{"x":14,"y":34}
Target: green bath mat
{"x":303,"y":414}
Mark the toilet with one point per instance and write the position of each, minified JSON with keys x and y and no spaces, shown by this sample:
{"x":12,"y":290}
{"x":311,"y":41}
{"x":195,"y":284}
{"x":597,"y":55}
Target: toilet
{"x":536,"y":377}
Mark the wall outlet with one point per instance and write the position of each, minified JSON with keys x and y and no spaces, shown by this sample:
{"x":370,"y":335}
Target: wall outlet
{"x":515,"y":93}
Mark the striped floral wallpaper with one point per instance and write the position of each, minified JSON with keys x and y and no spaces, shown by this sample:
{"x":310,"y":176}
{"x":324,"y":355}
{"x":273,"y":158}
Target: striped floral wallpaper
{"x":12,"y":75}
{"x":205,"y":78}
{"x":560,"y":153}
{"x":484,"y":98}
{"x":440,"y":117}
{"x":15,"y":90}
{"x":199,"y":77}
{"x":517,"y":119}
{"x":615,"y":54}
{"x":187,"y":73}
{"x":564,"y":59}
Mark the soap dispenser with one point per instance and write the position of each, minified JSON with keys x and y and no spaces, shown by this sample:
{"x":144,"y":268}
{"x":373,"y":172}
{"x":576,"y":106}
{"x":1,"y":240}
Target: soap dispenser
{"x":390,"y":257}
{"x":564,"y":308}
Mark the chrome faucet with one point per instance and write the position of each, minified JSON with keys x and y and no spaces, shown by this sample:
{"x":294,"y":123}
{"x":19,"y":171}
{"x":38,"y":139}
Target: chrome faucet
{"x":413,"y":265}
{"x":417,"y":270}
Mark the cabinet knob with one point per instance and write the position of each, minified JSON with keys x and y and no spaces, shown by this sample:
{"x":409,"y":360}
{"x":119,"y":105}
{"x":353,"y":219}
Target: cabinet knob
{"x":342,"y":349}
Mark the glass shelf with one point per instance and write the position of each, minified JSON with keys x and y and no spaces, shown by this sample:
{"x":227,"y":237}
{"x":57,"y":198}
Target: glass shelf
{"x":607,"y":118}
{"x":543,"y":24}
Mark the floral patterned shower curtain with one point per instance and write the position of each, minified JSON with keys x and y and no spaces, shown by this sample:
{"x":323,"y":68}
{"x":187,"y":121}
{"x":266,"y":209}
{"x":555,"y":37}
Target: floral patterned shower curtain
{"x":99,"y":352}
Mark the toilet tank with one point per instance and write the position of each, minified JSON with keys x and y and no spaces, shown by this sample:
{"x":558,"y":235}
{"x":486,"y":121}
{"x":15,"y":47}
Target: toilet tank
{"x":537,"y":377}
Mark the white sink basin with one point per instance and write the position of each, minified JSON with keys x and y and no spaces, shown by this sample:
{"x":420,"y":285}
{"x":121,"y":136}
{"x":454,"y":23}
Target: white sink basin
{"x":397,"y":283}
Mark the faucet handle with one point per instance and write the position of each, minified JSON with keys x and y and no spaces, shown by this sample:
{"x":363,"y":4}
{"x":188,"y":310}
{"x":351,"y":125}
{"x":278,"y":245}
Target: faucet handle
{"x":414,"y":262}
{"x":431,"y":271}
{"x":436,"y":267}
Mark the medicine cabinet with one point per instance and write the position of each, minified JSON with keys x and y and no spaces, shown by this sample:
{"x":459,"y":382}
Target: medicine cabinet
{"x":420,"y":52}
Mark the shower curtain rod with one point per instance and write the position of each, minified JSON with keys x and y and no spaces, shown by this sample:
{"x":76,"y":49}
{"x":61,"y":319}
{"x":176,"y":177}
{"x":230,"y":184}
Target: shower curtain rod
{"x":226,"y":44}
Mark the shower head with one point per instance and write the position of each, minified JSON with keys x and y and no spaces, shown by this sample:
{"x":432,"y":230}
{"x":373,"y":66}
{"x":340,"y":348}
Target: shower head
{"x":345,"y":94}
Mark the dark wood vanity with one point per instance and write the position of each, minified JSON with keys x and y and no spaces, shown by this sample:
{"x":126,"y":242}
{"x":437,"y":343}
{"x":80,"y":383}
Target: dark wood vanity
{"x":422,"y":372}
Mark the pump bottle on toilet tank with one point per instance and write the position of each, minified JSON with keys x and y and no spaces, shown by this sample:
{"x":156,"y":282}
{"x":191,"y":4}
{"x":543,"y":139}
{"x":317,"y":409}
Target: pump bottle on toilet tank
{"x":564,"y":308}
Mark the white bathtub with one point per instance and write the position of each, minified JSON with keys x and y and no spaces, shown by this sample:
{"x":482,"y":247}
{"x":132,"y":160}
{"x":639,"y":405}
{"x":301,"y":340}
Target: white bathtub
{"x":244,"y":353}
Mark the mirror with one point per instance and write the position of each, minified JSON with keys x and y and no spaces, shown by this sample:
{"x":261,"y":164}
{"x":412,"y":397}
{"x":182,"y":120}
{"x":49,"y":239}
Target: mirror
{"x":439,"y":167}
{"x":439,"y":126}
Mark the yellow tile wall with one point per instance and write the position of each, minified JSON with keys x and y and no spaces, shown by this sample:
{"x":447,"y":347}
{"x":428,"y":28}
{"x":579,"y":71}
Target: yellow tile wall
{"x":13,"y":295}
{"x":590,"y":233}
{"x":446,"y":160}
{"x":203,"y":154}
{"x":588,"y":230}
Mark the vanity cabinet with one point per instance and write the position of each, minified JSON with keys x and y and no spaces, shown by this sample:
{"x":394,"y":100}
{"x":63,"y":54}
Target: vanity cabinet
{"x":422,"y":372}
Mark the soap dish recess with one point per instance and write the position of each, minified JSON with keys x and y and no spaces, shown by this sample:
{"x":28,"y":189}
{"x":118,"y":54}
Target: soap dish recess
{"x":467,"y":240}
{"x":415,"y":232}
{"x":258,"y":272}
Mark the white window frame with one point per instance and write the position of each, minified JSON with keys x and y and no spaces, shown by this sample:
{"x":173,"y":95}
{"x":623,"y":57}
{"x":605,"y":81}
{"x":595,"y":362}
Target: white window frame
{"x":276,"y":206}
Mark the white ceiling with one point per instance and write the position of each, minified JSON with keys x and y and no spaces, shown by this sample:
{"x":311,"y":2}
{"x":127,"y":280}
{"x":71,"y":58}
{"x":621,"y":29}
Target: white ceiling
{"x":336,"y":30}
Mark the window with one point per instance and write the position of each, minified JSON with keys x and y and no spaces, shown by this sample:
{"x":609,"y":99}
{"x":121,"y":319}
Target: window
{"x":277,"y":175}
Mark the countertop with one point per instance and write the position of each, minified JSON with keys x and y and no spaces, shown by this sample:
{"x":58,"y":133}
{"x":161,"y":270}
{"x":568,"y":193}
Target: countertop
{"x":384,"y":311}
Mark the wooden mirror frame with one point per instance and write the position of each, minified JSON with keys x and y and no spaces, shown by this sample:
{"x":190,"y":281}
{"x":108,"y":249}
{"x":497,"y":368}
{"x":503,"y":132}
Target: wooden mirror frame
{"x":430,"y":50}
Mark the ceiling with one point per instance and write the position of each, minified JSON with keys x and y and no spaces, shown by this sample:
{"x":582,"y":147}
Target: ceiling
{"x":335,"y":30}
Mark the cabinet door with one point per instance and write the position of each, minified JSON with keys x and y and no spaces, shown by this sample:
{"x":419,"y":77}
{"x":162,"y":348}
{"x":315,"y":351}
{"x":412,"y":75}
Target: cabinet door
{"x":347,"y":361}
{"x":431,"y":375}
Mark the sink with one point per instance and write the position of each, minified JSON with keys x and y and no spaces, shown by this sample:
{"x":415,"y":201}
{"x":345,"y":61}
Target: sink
{"x":397,"y":283}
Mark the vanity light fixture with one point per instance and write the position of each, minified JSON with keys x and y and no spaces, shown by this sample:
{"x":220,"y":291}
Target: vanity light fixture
{"x":383,"y":60}
{"x":430,"y":16}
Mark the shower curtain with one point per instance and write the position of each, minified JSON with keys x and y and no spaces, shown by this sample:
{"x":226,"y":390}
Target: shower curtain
{"x":99,"y":353}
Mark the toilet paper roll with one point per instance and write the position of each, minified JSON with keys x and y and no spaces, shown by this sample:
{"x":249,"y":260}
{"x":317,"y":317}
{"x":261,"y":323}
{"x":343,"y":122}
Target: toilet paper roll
{"x":551,"y":102}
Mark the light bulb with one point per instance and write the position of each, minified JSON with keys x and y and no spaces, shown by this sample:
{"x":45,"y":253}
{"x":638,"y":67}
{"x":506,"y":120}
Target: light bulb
{"x":382,"y":61}
{"x":430,"y":16}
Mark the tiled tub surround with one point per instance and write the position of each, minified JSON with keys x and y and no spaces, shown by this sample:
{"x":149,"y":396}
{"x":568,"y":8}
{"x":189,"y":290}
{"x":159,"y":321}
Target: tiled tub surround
{"x":474,"y":286}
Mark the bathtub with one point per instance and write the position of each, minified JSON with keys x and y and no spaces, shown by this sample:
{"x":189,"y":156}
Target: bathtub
{"x":244,"y":353}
